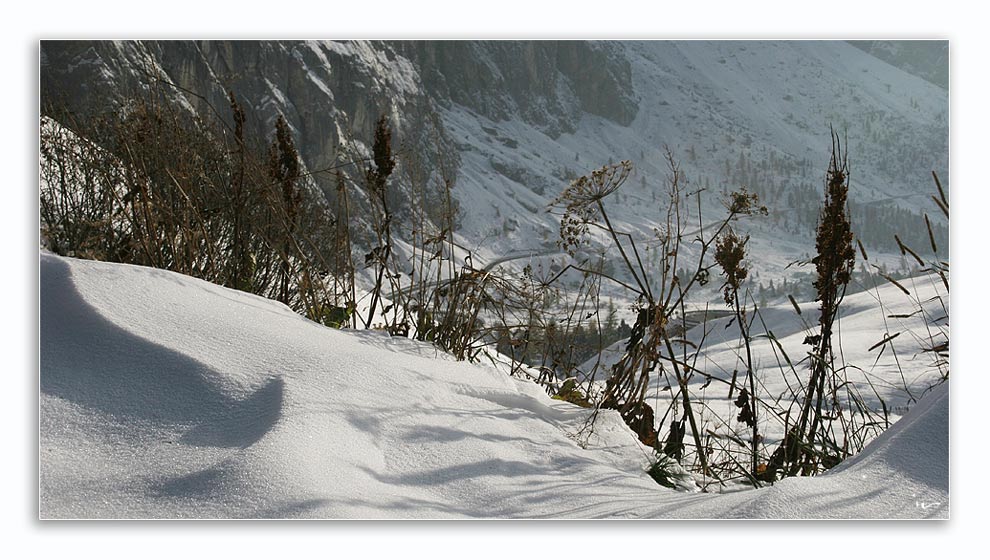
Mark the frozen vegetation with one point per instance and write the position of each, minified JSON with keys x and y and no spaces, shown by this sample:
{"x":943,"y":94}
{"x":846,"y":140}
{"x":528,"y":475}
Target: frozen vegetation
{"x":167,"y":396}
{"x":413,"y":279}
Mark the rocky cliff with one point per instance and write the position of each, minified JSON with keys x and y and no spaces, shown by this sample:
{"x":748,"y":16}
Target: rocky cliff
{"x":516,"y":120}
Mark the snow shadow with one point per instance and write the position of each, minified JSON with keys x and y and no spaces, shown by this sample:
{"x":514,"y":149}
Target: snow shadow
{"x":518,"y":401}
{"x":88,"y":360}
{"x":207,"y":483}
{"x":302,"y":508}
{"x":243,"y":422}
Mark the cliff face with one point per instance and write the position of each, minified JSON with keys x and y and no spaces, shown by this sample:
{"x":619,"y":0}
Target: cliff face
{"x":515,"y":121}
{"x":547,"y":84}
{"x":332,"y":92}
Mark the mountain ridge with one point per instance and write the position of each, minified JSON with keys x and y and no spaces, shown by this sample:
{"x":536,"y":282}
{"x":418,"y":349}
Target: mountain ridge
{"x":519,"y":119}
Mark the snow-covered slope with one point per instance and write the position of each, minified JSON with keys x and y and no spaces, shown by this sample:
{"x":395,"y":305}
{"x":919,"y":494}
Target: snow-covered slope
{"x":900,"y":372}
{"x":523,"y":118}
{"x":166,"y":396}
{"x":903,"y":473}
{"x":714,"y":103}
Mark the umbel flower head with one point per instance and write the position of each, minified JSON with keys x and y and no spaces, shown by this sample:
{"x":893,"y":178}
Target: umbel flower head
{"x":582,"y":198}
{"x":744,"y":203}
{"x":595,"y":186}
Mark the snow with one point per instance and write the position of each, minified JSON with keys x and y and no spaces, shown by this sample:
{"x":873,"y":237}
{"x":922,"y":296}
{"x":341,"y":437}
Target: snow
{"x":898,"y":373}
{"x":708,"y":97}
{"x":163,"y":396}
{"x":903,"y":473}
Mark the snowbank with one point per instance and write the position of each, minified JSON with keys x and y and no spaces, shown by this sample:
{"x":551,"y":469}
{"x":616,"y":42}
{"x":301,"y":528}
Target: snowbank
{"x":165,"y":396}
{"x":903,"y":474}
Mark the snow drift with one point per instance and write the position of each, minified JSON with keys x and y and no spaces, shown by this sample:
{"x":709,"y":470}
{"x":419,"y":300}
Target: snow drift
{"x":163,"y":396}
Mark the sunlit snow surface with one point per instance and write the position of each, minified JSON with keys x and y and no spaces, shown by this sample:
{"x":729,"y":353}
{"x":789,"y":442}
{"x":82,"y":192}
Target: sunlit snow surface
{"x":162,"y":396}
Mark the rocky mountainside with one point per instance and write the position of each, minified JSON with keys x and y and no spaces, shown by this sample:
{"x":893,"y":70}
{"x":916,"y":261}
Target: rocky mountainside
{"x":925,"y":59}
{"x":546,"y":84}
{"x":519,"y":120}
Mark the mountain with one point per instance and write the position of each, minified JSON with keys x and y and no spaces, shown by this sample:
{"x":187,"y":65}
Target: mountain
{"x":516,"y":121}
{"x":166,"y":396}
{"x":925,"y":59}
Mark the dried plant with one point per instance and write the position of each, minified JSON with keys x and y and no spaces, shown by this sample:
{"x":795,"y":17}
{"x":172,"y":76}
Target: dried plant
{"x":808,"y":447}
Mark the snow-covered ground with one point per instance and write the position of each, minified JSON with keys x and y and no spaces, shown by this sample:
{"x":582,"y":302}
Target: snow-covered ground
{"x":166,"y":396}
{"x":891,"y":376}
